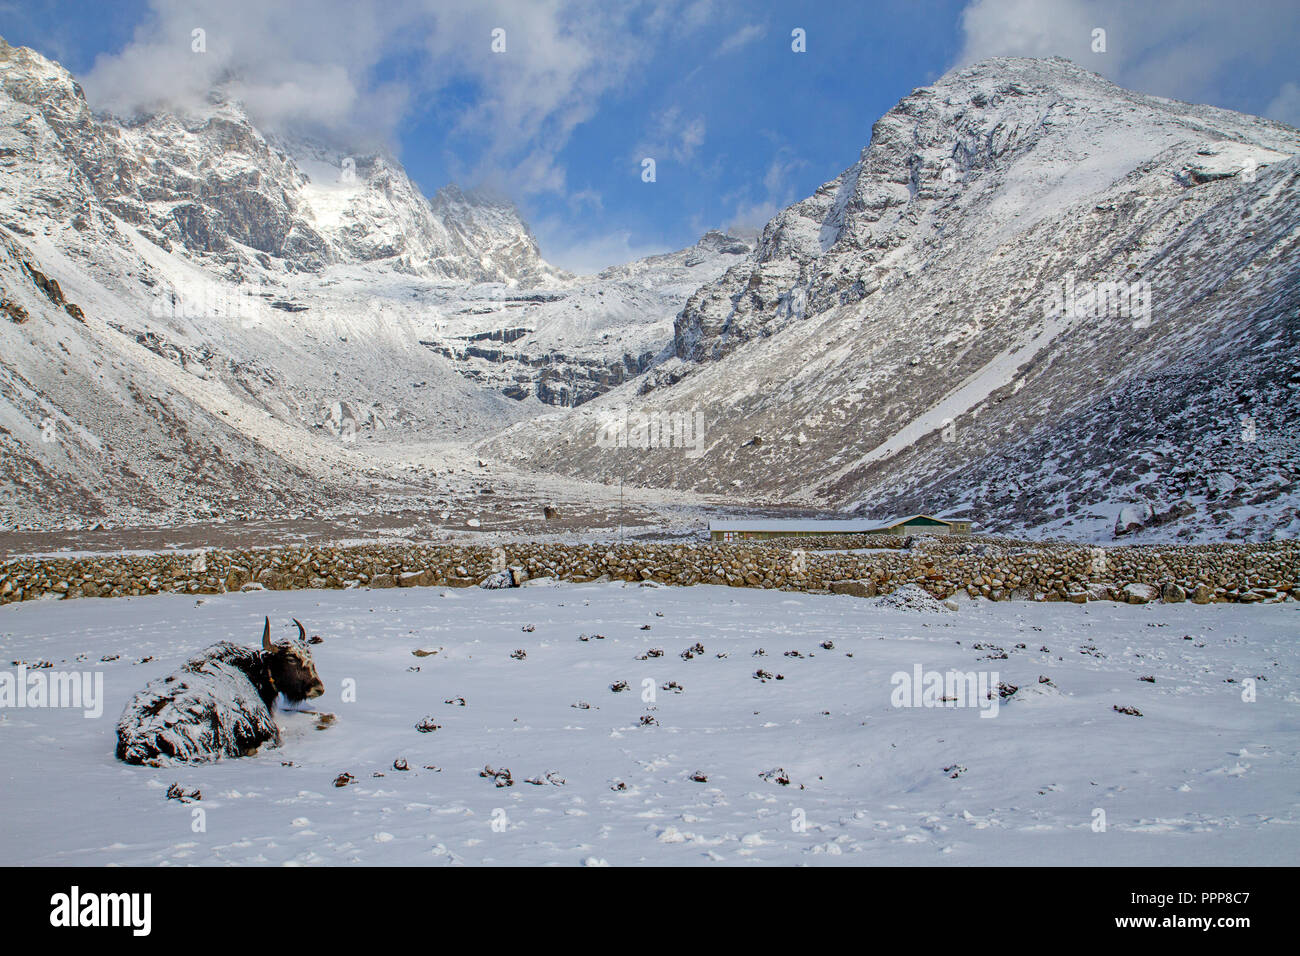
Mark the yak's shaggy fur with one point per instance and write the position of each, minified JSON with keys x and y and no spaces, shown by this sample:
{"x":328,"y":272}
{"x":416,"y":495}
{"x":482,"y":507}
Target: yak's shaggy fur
{"x":219,"y":704}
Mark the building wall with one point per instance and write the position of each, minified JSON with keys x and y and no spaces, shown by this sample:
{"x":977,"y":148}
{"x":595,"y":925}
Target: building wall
{"x":762,"y":535}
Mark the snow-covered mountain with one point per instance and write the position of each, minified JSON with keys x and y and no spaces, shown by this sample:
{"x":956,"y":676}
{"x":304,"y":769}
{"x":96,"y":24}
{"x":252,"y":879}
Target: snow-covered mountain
{"x":203,"y":320}
{"x":566,"y":344}
{"x":209,"y":183}
{"x":1036,"y":299}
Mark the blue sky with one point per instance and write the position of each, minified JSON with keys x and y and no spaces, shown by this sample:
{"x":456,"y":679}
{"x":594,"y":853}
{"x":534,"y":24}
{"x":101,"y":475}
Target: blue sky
{"x":738,"y":123}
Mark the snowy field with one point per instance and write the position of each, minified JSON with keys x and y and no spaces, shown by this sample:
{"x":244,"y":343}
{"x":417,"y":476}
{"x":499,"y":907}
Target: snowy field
{"x":1202,"y":777}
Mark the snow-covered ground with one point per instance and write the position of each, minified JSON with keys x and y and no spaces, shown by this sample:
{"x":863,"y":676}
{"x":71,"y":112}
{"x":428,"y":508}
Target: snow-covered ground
{"x":1202,"y":777}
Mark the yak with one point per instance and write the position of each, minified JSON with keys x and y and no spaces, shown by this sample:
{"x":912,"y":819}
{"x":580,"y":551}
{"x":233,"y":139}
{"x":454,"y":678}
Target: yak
{"x":219,"y":704}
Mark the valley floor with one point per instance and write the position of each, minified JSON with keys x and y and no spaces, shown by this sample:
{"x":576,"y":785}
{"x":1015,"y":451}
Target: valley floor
{"x":1201,"y":777}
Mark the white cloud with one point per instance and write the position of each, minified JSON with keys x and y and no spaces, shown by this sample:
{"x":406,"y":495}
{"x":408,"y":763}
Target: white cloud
{"x":514,"y":111}
{"x":751,"y":213}
{"x":1184,"y":49}
{"x":590,"y":254}
{"x":742,"y":37}
{"x":288,"y":69}
{"x":561,"y":57}
{"x":588,"y":198}
{"x":1026,"y":28}
{"x":1285,"y":107}
{"x":672,"y":136}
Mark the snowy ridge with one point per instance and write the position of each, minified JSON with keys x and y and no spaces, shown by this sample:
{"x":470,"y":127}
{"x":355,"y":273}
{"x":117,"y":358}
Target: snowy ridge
{"x":208,"y":183}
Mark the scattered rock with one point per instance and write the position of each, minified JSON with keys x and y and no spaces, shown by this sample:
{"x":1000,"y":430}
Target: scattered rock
{"x":501,"y":778}
{"x":177,"y":792}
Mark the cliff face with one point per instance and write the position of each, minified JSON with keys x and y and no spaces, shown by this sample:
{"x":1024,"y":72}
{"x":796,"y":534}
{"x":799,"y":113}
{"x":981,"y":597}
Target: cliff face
{"x":577,"y":339}
{"x":196,"y":302}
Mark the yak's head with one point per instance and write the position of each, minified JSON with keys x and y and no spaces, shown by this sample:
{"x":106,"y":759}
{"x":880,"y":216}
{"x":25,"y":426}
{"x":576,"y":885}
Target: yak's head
{"x":291,"y":665}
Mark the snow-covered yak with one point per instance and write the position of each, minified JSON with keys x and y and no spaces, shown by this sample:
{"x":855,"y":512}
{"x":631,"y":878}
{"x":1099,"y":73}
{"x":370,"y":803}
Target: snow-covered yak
{"x":219,"y":704}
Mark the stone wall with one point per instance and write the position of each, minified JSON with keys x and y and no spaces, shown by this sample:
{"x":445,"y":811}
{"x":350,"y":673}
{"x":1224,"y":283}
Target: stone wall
{"x":995,"y":568}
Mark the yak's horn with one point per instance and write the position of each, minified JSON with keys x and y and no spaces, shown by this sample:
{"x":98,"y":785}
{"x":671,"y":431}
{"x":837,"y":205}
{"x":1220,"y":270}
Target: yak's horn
{"x":266,"y":636}
{"x":302,"y":633}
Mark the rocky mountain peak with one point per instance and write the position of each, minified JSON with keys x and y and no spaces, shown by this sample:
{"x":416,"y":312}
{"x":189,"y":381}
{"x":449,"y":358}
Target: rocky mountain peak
{"x":208,"y":182}
{"x":990,"y":149}
{"x":717,"y":241}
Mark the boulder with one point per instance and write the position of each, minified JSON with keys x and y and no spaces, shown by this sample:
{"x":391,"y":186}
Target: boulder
{"x":1133,"y":517}
{"x":1097,"y":591}
{"x":1140,"y":593}
{"x":862,"y":589}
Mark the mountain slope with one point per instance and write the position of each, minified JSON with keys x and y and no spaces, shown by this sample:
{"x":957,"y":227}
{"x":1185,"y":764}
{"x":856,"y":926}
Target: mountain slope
{"x":900,"y":340}
{"x":1037,"y":299}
